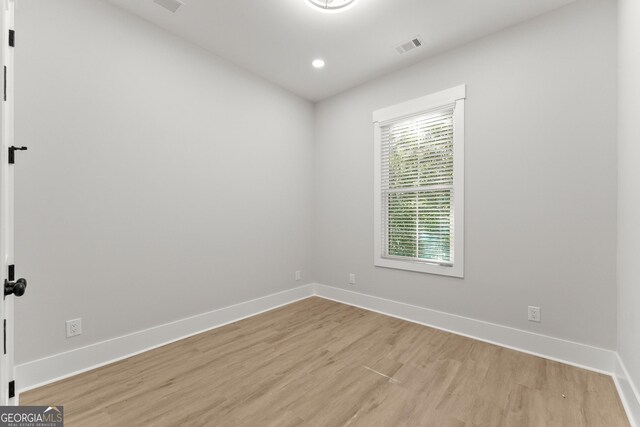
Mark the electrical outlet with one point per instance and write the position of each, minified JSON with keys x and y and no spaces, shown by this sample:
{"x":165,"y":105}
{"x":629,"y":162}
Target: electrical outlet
{"x":352,"y":279}
{"x":298,"y":275}
{"x":74,"y":327}
{"x":534,"y":314}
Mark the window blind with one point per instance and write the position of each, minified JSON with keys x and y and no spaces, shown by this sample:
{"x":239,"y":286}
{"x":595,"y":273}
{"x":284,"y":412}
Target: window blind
{"x":417,"y":188}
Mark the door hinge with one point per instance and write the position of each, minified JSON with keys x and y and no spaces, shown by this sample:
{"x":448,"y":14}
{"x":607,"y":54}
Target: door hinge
{"x":12,"y":150}
{"x":12,"y":38}
{"x":12,"y":389}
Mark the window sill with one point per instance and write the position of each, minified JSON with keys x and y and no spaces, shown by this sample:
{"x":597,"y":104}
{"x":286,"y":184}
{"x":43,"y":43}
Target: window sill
{"x":455,"y":270}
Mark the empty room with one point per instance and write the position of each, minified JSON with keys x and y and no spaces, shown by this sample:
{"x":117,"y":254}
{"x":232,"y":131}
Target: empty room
{"x":320,"y":213}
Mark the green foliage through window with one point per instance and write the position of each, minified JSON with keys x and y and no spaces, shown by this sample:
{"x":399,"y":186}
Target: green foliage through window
{"x":417,"y":187}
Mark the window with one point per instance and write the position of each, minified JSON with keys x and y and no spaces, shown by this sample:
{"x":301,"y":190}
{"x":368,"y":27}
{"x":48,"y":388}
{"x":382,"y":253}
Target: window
{"x":419,"y":184}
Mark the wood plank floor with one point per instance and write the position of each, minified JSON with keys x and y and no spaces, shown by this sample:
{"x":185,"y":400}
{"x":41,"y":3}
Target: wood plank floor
{"x":320,"y":363}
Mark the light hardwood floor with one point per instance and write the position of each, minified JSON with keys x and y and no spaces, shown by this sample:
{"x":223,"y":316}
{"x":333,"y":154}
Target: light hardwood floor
{"x":320,"y":363}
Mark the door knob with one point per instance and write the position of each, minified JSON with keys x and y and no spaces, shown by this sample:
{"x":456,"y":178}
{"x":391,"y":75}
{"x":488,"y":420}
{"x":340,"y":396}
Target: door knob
{"x":17,"y":288}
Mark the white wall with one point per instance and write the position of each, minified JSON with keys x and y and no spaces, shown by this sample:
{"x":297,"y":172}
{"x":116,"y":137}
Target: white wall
{"x":629,"y":190}
{"x":540,"y":178}
{"x":160,"y":181}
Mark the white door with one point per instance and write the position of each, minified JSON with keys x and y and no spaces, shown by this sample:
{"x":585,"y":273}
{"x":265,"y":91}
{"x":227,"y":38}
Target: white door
{"x":12,"y":285}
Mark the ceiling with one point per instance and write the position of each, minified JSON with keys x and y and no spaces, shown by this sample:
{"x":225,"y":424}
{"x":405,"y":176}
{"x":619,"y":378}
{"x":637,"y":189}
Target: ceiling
{"x":278,"y":39}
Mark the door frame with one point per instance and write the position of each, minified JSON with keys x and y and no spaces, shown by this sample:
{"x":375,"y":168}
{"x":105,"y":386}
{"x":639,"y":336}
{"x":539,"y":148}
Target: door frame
{"x":7,"y":371}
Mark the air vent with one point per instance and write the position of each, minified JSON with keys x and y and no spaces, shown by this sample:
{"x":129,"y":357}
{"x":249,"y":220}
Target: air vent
{"x":410,"y":45}
{"x":170,"y":5}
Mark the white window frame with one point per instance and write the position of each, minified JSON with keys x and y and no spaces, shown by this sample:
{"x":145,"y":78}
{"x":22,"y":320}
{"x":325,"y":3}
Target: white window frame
{"x":405,"y":110}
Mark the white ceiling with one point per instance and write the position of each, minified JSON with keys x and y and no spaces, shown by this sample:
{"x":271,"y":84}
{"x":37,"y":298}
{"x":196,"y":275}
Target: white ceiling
{"x":278,"y":39}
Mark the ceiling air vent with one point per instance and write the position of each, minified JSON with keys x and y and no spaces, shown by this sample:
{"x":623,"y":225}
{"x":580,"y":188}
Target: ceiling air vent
{"x":410,"y":45}
{"x":170,"y":5}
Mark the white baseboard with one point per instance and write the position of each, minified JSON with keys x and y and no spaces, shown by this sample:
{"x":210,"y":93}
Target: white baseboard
{"x":58,"y":366}
{"x":572,"y":353}
{"x":62,"y":365}
{"x":628,"y":392}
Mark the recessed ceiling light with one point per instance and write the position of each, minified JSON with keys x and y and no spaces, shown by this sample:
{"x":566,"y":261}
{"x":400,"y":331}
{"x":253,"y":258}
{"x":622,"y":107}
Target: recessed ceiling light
{"x":317,"y":63}
{"x":332,"y":5}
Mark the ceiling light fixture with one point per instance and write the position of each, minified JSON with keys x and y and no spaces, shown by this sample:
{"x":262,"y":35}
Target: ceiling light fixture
{"x":317,"y":63}
{"x":332,"y":5}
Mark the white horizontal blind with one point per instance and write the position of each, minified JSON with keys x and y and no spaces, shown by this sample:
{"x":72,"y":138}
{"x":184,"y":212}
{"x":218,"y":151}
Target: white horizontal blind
{"x":417,"y":188}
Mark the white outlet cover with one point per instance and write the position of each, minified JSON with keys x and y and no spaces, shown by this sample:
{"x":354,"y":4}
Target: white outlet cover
{"x":74,"y":327}
{"x":352,"y":279}
{"x":534,"y":314}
